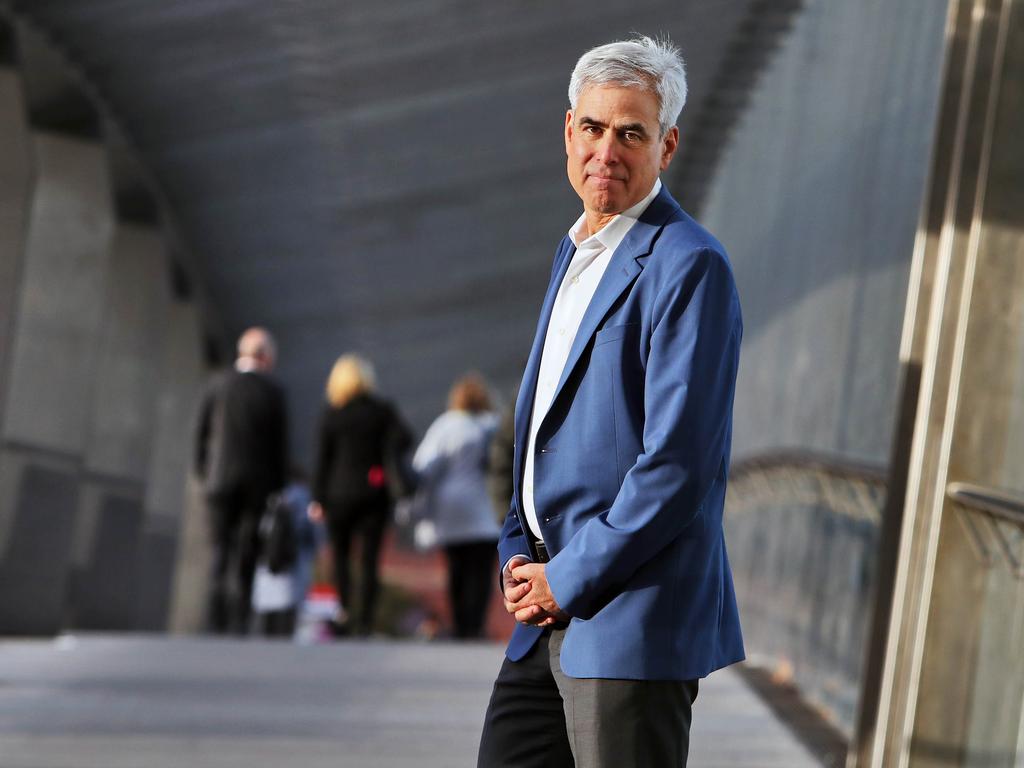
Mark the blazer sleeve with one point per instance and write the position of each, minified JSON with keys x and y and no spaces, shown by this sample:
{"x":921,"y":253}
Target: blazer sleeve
{"x":511,"y":542}
{"x":689,"y":383}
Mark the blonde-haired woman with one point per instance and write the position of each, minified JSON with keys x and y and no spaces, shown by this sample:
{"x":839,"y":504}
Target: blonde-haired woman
{"x":358,"y":431}
{"x":452,"y":461}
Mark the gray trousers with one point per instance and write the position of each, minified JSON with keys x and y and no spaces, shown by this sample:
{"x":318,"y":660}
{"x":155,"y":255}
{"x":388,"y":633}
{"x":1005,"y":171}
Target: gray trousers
{"x":539,"y":717}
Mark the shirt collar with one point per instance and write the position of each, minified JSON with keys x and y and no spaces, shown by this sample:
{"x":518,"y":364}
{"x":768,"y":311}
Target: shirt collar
{"x":612,"y":233}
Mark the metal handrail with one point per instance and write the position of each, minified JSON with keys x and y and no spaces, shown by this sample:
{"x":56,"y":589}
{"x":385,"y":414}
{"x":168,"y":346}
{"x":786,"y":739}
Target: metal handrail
{"x":803,"y":530}
{"x":836,"y":466}
{"x":1006,"y":505}
{"x":987,"y":536}
{"x":849,"y":488}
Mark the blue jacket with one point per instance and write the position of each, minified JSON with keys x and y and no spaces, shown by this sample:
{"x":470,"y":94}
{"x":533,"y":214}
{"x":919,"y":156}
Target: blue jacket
{"x":632,"y":458}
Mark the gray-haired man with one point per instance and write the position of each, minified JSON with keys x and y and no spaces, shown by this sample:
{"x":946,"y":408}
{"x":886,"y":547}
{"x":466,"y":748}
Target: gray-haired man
{"x":241,"y":456}
{"x":614,"y":562}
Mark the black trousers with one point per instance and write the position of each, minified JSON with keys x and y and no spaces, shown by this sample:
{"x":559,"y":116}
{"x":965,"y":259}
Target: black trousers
{"x":234,"y":523}
{"x":540,"y":718}
{"x":278,"y":623}
{"x":367,"y":520}
{"x":471,"y":568}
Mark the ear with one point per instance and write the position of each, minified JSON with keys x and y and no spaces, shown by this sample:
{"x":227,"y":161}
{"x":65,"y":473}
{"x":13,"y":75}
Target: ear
{"x":568,"y":130}
{"x":670,"y":143}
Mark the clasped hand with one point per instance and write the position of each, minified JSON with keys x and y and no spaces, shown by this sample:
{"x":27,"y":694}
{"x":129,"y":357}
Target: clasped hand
{"x":528,"y":596}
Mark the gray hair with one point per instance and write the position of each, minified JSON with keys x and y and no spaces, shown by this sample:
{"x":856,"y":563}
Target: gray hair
{"x":642,"y":62}
{"x":256,"y":343}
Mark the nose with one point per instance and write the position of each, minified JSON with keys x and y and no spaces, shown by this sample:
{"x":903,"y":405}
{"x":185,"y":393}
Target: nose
{"x":606,"y":152}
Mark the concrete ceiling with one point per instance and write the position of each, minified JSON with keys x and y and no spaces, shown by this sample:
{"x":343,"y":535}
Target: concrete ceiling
{"x":384,"y":176}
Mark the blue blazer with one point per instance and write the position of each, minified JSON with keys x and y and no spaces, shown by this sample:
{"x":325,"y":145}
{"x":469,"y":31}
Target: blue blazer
{"x":632,"y":457}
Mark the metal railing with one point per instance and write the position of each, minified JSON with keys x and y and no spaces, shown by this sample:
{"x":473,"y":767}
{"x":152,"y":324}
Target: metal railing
{"x":994,"y":522}
{"x":802,"y":531}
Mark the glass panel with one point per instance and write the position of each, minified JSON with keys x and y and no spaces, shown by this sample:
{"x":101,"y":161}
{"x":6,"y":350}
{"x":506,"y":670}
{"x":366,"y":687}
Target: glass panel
{"x":969,"y":707}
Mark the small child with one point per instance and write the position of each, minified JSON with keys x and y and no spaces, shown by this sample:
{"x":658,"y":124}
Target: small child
{"x":278,"y":597}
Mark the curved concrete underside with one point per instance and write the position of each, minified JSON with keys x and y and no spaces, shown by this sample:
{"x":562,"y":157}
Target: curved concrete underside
{"x":386,"y":177}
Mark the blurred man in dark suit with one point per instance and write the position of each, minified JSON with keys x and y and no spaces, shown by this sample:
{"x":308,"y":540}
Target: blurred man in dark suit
{"x":241,"y":457}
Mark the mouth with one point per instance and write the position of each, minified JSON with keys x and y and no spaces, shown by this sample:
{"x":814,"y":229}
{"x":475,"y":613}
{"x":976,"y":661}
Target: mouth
{"x":604,"y":181}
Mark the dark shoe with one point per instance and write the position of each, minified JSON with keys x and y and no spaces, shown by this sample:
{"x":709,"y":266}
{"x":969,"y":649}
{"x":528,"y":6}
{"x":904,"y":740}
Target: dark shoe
{"x":339,"y":628}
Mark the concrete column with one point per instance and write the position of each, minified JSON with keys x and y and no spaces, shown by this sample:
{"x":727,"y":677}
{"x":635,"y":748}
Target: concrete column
{"x":108,"y":555}
{"x":38,"y":496}
{"x":99,"y":369}
{"x":57,"y":314}
{"x":102,"y":576}
{"x":60,"y":306}
{"x":168,"y":504}
{"x":15,"y":190}
{"x":16,"y":173}
{"x":177,"y":527}
{"x":130,"y":355}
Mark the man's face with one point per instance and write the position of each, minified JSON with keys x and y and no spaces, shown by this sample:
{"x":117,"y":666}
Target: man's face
{"x":615,"y":148}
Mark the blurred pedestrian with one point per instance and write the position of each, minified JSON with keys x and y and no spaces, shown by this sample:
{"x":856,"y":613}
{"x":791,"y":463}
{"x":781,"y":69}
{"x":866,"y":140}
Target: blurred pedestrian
{"x":452,"y":462}
{"x":360,"y":435}
{"x":241,"y":457}
{"x":500,"y":458}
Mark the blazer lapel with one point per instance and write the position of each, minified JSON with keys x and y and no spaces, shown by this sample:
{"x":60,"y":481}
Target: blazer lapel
{"x":626,"y":263}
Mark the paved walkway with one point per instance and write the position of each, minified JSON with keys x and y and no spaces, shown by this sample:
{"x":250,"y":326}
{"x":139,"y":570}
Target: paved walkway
{"x":146,"y":702}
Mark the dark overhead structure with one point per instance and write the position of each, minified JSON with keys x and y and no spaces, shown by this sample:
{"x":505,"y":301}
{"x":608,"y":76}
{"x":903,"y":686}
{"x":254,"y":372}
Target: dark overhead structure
{"x":386,"y":177}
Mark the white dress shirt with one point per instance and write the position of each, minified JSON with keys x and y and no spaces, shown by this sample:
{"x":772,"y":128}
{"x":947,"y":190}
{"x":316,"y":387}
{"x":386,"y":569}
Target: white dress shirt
{"x":577,"y":289}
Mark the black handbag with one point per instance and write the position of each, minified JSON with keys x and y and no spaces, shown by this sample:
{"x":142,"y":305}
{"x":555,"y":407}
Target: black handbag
{"x":279,"y":541}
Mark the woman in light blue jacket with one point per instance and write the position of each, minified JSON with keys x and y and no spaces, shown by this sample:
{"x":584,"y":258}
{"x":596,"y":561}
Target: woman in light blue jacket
{"x":452,"y":464}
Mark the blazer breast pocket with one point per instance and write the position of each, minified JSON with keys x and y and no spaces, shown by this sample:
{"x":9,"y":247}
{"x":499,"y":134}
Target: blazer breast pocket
{"x":614,"y":333}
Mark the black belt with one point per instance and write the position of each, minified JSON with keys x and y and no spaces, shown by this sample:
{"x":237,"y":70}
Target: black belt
{"x":541,"y":551}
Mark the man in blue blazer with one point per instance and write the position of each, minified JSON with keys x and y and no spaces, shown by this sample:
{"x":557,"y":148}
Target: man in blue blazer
{"x":614,"y":562}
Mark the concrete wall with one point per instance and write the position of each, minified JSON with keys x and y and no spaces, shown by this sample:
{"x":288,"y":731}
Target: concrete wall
{"x":57,"y":318}
{"x":145,"y":523}
{"x":817,"y":201}
{"x":99,"y":372}
{"x":109,"y":554}
{"x":130,"y":354}
{"x":16,"y":173}
{"x":38,"y":495}
{"x":60,"y":302}
{"x":176,"y":520}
